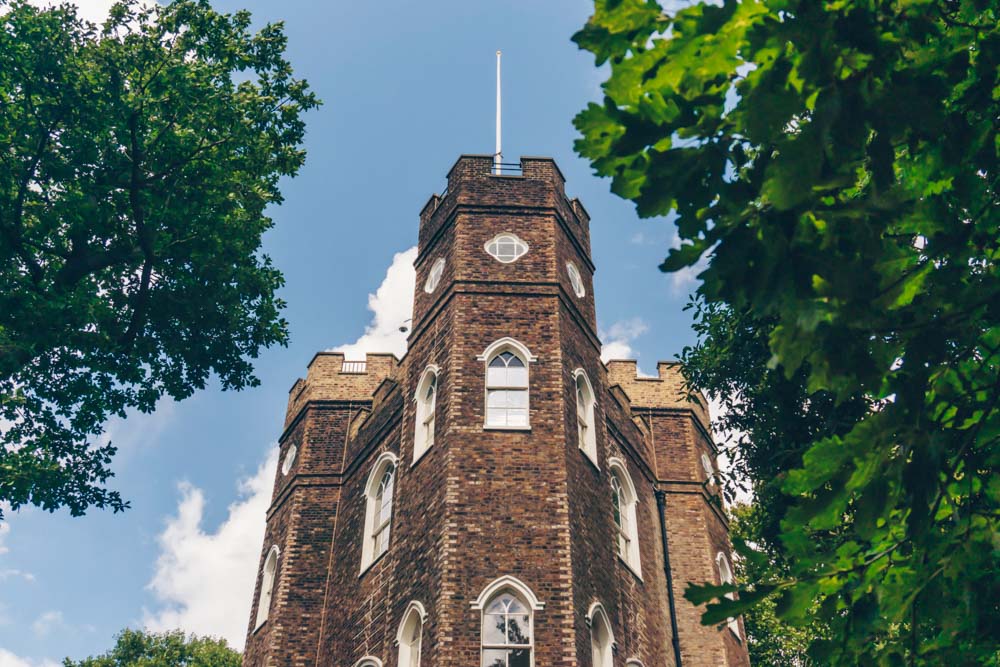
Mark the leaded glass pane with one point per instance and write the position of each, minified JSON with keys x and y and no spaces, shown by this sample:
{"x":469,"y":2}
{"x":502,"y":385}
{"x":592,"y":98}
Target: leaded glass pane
{"x":520,"y":657}
{"x":517,"y":376}
{"x":496,"y":377}
{"x":494,"y":629}
{"x":518,"y":629}
{"x":517,"y":417}
{"x":495,"y":658}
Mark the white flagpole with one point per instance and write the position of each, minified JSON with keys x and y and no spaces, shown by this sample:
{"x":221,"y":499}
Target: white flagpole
{"x":498,"y":156}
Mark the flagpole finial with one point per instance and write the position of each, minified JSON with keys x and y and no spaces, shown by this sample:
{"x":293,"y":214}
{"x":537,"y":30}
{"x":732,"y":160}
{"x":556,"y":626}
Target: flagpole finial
{"x":498,"y":155}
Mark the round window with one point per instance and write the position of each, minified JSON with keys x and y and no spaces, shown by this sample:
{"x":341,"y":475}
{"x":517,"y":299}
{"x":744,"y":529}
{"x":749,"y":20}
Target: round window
{"x":289,"y":461}
{"x":506,"y":248}
{"x":434,"y":277}
{"x":575,"y":280}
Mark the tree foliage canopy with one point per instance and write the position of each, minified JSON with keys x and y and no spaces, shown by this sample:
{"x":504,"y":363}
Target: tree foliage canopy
{"x":138,"y":648}
{"x":836,"y":163}
{"x":136,"y":163}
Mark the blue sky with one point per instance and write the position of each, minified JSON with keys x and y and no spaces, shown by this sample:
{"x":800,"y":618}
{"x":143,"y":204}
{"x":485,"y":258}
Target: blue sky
{"x":407,"y":86}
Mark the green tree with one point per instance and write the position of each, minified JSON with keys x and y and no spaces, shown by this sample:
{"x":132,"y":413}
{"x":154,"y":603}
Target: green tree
{"x":137,"y":161}
{"x":138,"y":648}
{"x":835,"y":163}
{"x":770,"y":642}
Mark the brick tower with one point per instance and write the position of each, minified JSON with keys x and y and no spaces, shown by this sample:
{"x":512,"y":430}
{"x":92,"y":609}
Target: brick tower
{"x":499,"y":497}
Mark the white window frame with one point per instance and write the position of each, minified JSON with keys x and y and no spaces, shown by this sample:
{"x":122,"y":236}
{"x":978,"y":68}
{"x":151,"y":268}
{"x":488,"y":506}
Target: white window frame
{"x":726,"y":577}
{"x":434,"y":275}
{"x":425,"y":412}
{"x":268,"y":576}
{"x":289,"y":460}
{"x":586,"y":422}
{"x":373,"y":529}
{"x":629,"y":531}
{"x":415,"y":613}
{"x":521,"y":351}
{"x":576,"y":280}
{"x":516,"y":240}
{"x":603,"y":653}
{"x":368,"y":661}
{"x":634,"y":662}
{"x":513,"y":585}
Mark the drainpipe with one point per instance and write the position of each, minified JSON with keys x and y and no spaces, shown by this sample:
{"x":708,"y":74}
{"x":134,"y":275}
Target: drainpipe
{"x":661,"y":505}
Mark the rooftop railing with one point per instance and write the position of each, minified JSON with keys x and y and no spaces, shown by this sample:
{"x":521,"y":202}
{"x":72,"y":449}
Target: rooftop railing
{"x":357,"y":367}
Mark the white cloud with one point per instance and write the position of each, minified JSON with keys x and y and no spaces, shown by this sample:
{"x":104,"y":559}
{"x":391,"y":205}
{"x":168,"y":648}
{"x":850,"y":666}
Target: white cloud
{"x":618,"y":339}
{"x":204,"y":580}
{"x":392,"y":305}
{"x":683,"y":281}
{"x":138,"y":429}
{"x":8,"y":573}
{"x":47,"y":622}
{"x":8,"y":659}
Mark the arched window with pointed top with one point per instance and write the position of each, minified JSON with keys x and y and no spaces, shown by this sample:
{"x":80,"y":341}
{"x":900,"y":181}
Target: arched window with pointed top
{"x":508,"y":607}
{"x":507,"y":363}
{"x":378,"y":509}
{"x":426,"y":405}
{"x":726,"y":577}
{"x":267,"y":586}
{"x":585,"y":423}
{"x":602,"y":638}
{"x":410,"y":635}
{"x":623,"y":505}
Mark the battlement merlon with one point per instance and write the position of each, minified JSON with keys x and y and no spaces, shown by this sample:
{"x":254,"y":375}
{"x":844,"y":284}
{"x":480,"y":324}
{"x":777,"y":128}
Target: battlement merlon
{"x":667,"y":390}
{"x":331,"y":377}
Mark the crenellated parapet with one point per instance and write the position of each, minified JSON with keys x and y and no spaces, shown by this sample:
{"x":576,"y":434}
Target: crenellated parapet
{"x":331,"y":377}
{"x":667,"y":390}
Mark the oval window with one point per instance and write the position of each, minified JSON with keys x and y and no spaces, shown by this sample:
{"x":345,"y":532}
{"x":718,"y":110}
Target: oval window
{"x":706,"y":463}
{"x":506,"y":248}
{"x":289,"y":461}
{"x":575,"y":279}
{"x":434,"y":277}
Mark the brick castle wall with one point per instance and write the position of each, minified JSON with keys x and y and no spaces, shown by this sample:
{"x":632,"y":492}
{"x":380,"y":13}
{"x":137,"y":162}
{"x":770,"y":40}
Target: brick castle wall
{"x":484,"y":503}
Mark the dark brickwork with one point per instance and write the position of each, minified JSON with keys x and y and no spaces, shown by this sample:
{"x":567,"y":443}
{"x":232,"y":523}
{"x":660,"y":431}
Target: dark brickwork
{"x":483,"y":503}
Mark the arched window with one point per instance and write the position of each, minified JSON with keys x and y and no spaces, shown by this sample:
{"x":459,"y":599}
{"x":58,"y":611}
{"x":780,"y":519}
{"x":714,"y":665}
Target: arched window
{"x":426,"y":401}
{"x":508,"y":608}
{"x":575,"y":280}
{"x":634,"y":662}
{"x":289,"y":460}
{"x":410,"y":635}
{"x":623,"y":504}
{"x":585,"y":426}
{"x":434,"y":276}
{"x":378,"y":514}
{"x":267,"y":586}
{"x":507,"y":384}
{"x":726,"y":577}
{"x":506,"y":248}
{"x":602,"y":639}
{"x":368,"y":662}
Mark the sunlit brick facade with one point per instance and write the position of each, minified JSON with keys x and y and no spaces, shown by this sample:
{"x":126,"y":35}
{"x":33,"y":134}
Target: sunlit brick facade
{"x":499,"y":496}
